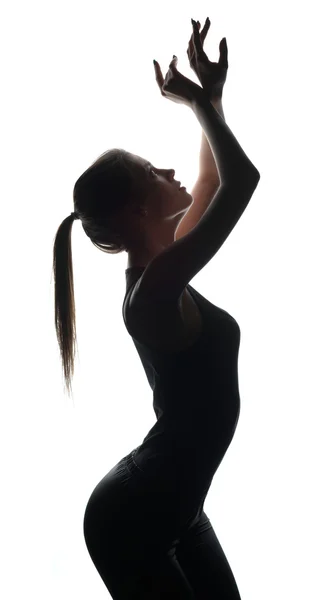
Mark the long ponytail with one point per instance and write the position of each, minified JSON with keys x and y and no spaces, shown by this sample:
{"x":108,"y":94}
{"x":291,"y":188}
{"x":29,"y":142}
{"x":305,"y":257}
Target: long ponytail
{"x":64,"y":299}
{"x":101,"y":191}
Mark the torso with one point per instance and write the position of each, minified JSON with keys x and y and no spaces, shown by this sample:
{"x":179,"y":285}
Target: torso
{"x":164,"y":326}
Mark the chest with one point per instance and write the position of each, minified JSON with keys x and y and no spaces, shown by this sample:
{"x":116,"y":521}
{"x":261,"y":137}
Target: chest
{"x":166,"y":326}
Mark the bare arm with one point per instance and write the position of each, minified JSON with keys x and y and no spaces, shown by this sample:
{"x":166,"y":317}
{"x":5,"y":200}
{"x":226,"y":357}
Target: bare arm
{"x":169,"y":272}
{"x":207,"y":183}
{"x":208,"y":170}
{"x":231,"y":160}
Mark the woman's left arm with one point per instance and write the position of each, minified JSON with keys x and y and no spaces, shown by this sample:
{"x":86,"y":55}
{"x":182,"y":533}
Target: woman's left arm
{"x":208,"y":169}
{"x":206,"y":185}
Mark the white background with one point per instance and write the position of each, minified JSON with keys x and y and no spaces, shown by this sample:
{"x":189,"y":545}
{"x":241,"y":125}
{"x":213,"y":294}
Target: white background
{"x":78,"y":79}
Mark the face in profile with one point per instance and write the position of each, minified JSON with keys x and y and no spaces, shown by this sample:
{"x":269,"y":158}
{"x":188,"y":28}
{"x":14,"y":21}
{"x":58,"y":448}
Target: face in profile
{"x":158,"y":205}
{"x":161,"y":192}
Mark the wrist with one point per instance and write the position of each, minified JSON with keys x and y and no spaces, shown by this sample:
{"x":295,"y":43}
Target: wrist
{"x":216,"y":98}
{"x":217,"y":104}
{"x":201,"y":100}
{"x":216,"y":93}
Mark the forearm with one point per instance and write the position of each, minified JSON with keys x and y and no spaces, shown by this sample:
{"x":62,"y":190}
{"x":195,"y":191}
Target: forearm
{"x":208,"y":170}
{"x":230,"y":160}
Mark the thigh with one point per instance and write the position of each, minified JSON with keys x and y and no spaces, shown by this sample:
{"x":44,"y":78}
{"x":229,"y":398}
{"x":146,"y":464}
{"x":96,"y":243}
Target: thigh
{"x":204,"y":563}
{"x":157,"y":576}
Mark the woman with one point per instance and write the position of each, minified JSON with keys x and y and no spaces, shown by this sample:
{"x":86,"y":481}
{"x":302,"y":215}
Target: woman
{"x":144,"y":524}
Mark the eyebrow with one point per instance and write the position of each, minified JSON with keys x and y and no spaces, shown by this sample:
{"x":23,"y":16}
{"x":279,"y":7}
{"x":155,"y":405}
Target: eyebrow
{"x":148,"y":166}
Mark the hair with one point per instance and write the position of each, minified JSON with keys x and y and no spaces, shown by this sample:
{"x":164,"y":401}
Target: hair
{"x":101,"y":192}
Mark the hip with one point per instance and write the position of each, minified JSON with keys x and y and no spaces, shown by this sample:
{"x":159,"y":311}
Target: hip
{"x":127,"y":494}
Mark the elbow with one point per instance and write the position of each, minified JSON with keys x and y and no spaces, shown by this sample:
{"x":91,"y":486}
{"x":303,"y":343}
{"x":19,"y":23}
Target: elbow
{"x":257,"y":175}
{"x":252,"y":176}
{"x":251,"y":172}
{"x":247,"y":177}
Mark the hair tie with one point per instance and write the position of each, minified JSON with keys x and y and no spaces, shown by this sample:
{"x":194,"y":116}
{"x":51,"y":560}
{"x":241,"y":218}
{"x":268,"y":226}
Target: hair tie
{"x":75,"y":215}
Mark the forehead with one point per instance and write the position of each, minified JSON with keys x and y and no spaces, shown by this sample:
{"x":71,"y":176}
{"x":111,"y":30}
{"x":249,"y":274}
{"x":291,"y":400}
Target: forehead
{"x":143,"y":162}
{"x":146,"y":164}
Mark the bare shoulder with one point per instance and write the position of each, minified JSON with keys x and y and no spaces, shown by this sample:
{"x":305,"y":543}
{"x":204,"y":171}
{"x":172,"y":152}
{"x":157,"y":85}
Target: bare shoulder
{"x":171,"y":271}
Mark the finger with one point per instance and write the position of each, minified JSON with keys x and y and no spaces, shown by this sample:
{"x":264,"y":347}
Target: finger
{"x":190,"y":49}
{"x":171,"y":69}
{"x":173,"y":62}
{"x":190,"y":43}
{"x":159,"y":75}
{"x":199,"y":27}
{"x":205,"y":29}
{"x":223,"y":53}
{"x":196,"y":39}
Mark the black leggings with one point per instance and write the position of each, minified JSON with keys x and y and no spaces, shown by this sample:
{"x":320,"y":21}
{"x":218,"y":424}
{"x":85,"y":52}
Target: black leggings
{"x":144,"y":549}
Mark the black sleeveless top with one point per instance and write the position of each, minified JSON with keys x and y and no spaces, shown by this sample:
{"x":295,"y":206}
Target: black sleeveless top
{"x":195,"y":396}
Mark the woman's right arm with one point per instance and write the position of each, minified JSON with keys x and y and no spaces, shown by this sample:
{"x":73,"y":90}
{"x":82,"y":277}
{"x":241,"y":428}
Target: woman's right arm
{"x":232,"y":162}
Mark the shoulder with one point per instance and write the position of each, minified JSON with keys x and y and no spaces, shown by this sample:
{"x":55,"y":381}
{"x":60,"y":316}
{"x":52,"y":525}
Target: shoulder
{"x":151,"y":314}
{"x":167,"y":325}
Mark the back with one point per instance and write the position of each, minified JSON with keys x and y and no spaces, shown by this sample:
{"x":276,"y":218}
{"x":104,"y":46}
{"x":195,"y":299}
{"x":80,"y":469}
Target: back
{"x":170,"y":272}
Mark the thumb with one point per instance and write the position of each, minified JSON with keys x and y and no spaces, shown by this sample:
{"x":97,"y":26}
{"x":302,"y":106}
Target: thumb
{"x":224,"y":52}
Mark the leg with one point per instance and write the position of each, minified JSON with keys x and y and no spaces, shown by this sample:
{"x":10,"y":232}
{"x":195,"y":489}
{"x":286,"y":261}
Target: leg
{"x":202,"y":559}
{"x":152,"y":578}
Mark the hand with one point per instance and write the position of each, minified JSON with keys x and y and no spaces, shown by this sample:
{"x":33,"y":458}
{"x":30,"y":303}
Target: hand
{"x":211,"y":75}
{"x":176,"y":87}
